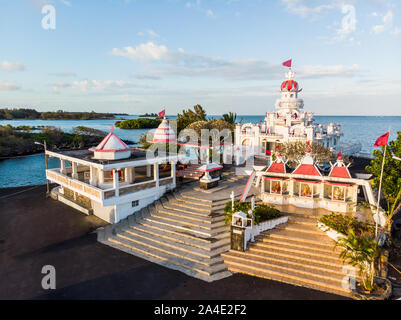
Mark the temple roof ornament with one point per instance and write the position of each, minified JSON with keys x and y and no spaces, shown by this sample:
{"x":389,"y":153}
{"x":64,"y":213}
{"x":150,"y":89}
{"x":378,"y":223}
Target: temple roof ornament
{"x":109,"y":147}
{"x":164,"y":133}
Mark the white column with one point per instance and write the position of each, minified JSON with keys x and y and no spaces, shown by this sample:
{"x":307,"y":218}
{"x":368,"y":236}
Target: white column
{"x":92,"y":176}
{"x":101,"y":176}
{"x":129,"y":172}
{"x":74,"y":170}
{"x":173,"y":172}
{"x":156,"y":174}
{"x":148,"y":170}
{"x":62,"y":166}
{"x":322,"y":190}
{"x":116,"y":183}
{"x":291,"y":187}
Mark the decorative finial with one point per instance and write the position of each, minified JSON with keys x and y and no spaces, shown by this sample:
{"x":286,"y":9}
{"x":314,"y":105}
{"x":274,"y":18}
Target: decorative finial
{"x":339,"y":156}
{"x":290,"y":74}
{"x":111,"y":128}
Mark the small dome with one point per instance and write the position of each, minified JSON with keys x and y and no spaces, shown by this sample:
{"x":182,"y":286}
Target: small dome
{"x":164,"y":133}
{"x":289,"y":86}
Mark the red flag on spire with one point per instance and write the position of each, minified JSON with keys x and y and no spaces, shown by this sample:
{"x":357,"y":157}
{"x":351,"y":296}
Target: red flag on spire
{"x":162,"y":113}
{"x":287,"y":63}
{"x":382,"y":140}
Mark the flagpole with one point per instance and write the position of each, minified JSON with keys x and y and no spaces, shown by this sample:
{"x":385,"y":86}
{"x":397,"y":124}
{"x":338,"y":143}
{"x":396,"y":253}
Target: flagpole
{"x":380,"y":184}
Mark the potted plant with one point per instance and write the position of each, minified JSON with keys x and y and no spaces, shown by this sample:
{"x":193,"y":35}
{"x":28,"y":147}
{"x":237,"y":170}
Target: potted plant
{"x":361,"y":251}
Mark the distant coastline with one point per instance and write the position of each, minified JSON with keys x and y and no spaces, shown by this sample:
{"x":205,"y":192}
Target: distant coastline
{"x":32,"y":114}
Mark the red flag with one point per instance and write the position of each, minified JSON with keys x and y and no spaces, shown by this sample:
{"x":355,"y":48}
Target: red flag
{"x":162,"y":113}
{"x":277,"y":147}
{"x":288,"y":63}
{"x":268,"y":153}
{"x":382,"y":140}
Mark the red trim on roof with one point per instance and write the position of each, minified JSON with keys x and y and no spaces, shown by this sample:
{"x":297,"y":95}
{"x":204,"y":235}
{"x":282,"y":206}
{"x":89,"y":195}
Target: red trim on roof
{"x":307,"y":181}
{"x":340,"y":184}
{"x":119,"y":150}
{"x":307,"y":169}
{"x":275,"y":178}
{"x":340,"y":172}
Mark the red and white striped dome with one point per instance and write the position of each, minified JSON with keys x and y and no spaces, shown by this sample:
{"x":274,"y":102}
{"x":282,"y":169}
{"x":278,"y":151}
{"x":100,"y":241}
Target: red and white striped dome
{"x":111,"y":148}
{"x":164,"y":133}
{"x":289,"y":86}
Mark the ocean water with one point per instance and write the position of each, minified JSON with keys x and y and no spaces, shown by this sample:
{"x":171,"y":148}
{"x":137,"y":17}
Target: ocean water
{"x":29,"y":170}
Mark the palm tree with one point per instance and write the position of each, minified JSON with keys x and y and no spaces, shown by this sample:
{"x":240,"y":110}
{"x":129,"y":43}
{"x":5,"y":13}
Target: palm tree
{"x":361,"y":252}
{"x":230,"y":117}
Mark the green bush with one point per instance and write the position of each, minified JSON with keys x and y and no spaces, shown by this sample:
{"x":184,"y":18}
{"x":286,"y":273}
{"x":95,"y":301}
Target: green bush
{"x":238,"y":207}
{"x":265,"y":212}
{"x":140,"y":123}
{"x":261,"y":213}
{"x":343,"y":224}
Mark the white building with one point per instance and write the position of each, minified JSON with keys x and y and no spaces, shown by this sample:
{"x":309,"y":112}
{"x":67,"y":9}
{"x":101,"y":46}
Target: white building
{"x":111,"y":181}
{"x":289,"y":123}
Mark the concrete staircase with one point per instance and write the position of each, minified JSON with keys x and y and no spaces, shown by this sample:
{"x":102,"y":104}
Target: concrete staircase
{"x":182,"y":231}
{"x":297,"y":253}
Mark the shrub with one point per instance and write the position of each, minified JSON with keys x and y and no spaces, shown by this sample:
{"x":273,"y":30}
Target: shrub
{"x":343,"y":224}
{"x":140,"y":123}
{"x":265,"y":212}
{"x":261,"y":213}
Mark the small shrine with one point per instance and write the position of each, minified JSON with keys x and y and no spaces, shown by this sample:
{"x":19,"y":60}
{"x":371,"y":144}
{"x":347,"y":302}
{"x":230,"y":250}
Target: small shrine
{"x":111,"y":148}
{"x":307,"y":187}
{"x":211,"y":177}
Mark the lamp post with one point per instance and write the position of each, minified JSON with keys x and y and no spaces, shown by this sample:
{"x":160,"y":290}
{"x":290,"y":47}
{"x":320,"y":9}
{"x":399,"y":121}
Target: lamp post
{"x":46,"y":165}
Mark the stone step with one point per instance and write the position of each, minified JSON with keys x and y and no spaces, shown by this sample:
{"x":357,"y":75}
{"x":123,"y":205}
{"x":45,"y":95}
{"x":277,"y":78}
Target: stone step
{"x":154,"y":245}
{"x":289,"y":278}
{"x":189,"y":213}
{"x":297,"y":263}
{"x":319,"y":241}
{"x":297,"y":246}
{"x":267,"y":249}
{"x":179,"y":219}
{"x":297,"y":229}
{"x":179,"y":198}
{"x":191,"y":228}
{"x":190,"y":268}
{"x":207,"y":249}
{"x":173,"y":244}
{"x":171,"y":234}
{"x":286,"y":269}
{"x":202,"y":209}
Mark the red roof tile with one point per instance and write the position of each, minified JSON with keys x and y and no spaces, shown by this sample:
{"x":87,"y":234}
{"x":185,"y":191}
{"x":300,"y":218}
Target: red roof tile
{"x":276,"y":168}
{"x":307,"y":169}
{"x":340,"y":172}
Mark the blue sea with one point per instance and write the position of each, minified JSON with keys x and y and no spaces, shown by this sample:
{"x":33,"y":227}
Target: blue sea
{"x":29,"y":170}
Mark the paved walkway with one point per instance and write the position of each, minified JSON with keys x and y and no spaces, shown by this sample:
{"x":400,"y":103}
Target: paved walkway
{"x":35,"y":231}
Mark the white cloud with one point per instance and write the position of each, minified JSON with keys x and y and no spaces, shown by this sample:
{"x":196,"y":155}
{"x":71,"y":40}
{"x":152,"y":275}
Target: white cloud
{"x":387,"y":23}
{"x":145,"y":52}
{"x":150,"y":32}
{"x":85,"y":85}
{"x":198,"y":5}
{"x":179,"y":63}
{"x":11,"y":66}
{"x":8,"y":86}
{"x":299,"y":7}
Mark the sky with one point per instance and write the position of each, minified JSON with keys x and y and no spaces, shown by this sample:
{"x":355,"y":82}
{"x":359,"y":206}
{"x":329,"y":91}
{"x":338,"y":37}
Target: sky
{"x":137,"y":56}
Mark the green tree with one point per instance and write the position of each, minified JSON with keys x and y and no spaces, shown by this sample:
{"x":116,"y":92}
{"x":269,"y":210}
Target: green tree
{"x":391,"y":184}
{"x":189,"y":116}
{"x":295,"y":151}
{"x":230,"y":117}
